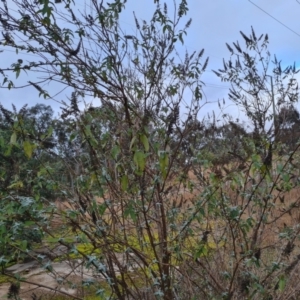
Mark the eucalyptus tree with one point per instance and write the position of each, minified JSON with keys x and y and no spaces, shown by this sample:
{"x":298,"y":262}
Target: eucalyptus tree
{"x":288,"y":120}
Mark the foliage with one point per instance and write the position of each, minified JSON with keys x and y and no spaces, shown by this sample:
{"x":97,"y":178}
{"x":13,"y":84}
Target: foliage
{"x":25,"y":150}
{"x":259,"y":91}
{"x":158,"y":204}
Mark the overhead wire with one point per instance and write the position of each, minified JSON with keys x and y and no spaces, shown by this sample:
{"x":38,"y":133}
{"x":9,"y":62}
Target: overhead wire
{"x":275,"y":18}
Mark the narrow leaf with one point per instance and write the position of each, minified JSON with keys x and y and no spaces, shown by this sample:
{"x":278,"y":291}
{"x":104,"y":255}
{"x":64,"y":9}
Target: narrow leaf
{"x":163,"y":163}
{"x":13,"y":138}
{"x":145,"y":142}
{"x":124,"y":183}
{"x":282,"y":283}
{"x":130,"y":211}
{"x":28,"y":148}
{"x":139,"y":159}
{"x":132,"y":142}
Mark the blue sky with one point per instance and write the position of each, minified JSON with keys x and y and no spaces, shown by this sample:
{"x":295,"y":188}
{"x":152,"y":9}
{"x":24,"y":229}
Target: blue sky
{"x":215,"y":22}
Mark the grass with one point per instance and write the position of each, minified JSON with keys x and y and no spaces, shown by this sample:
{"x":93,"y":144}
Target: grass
{"x":4,"y":279}
{"x":191,"y":245}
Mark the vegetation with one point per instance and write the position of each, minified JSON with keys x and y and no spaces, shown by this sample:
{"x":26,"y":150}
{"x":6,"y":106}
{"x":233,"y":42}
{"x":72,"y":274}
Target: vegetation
{"x":154,"y":201}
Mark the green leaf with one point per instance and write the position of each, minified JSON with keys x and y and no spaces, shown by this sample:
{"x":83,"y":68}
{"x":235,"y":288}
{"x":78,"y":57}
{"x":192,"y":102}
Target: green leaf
{"x":16,"y":185}
{"x":130,"y":211}
{"x":13,"y":138}
{"x":139,"y":159}
{"x":72,"y":136}
{"x":115,"y":151}
{"x":124,"y":183}
{"x":201,"y":251}
{"x":102,"y":208}
{"x":163,"y":163}
{"x":180,"y":38}
{"x":132,"y":142}
{"x":28,"y":148}
{"x":282,"y":282}
{"x":18,"y":72}
{"x":145,"y":142}
{"x":23,"y":245}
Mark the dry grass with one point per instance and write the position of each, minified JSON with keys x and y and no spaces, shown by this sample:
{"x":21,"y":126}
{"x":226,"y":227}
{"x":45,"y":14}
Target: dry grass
{"x":283,"y":215}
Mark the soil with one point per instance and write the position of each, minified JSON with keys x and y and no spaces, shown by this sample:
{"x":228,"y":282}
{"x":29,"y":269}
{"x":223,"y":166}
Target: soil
{"x":61,"y":280}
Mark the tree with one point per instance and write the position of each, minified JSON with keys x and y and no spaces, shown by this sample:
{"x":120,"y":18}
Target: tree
{"x":32,"y":126}
{"x":288,"y":116}
{"x":252,"y":203}
{"x":260,"y":86}
{"x":21,"y":180}
{"x":288,"y":120}
{"x":122,"y":149}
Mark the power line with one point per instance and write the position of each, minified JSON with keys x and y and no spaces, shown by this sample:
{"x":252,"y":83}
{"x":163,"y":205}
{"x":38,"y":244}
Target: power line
{"x":275,"y":18}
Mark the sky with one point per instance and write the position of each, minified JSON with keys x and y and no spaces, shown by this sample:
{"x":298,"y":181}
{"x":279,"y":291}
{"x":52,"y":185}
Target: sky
{"x":214,"y":23}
